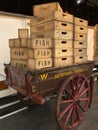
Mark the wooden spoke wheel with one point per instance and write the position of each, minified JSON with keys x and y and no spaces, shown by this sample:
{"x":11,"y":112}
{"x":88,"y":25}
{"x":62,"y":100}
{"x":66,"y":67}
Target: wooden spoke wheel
{"x":25,"y":100}
{"x":73,"y":101}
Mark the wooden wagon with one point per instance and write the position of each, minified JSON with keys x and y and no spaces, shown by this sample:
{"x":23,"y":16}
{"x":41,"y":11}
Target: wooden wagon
{"x":71,"y":85}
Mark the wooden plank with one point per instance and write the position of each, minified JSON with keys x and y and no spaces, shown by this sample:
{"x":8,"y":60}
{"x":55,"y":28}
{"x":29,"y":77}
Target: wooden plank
{"x":80,"y":51}
{"x":19,"y":63}
{"x":80,"y":59}
{"x":57,"y":34}
{"x":56,"y":15}
{"x":11,"y":43}
{"x":23,"y":33}
{"x":23,"y":42}
{"x":39,"y":43}
{"x":46,"y":9}
{"x":39,"y":63}
{"x":3,"y":85}
{"x":19,"y":53}
{"x":81,"y":22}
{"x":62,"y":61}
{"x":80,"y":29}
{"x":39,"y":53}
{"x":80,"y":37}
{"x":61,"y":52}
{"x":80,"y":44}
{"x":51,"y":25}
{"x":58,"y":43}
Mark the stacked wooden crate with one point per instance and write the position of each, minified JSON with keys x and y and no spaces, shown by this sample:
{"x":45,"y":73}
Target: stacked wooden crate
{"x":39,"y":53}
{"x":80,"y":40}
{"x":95,"y":56}
{"x":51,"y":22}
{"x":18,"y":49}
{"x":30,"y":53}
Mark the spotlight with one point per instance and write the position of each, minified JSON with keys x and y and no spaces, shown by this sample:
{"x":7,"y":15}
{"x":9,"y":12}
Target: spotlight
{"x":79,"y":1}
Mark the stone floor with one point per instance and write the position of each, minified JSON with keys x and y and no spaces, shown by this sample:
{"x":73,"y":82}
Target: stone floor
{"x":43,"y":117}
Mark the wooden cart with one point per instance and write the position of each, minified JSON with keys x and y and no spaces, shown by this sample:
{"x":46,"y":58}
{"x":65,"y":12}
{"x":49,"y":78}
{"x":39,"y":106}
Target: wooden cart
{"x":71,"y":85}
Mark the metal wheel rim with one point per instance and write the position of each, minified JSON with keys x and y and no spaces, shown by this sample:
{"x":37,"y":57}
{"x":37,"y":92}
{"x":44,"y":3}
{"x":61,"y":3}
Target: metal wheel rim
{"x":77,"y":103}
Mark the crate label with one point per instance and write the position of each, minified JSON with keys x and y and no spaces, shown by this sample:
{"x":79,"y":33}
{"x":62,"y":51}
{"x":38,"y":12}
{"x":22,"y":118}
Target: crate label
{"x":43,"y":53}
{"x":42,"y":42}
{"x":44,"y":63}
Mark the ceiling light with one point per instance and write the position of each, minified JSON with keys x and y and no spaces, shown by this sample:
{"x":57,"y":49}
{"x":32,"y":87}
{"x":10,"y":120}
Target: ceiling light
{"x":79,"y":1}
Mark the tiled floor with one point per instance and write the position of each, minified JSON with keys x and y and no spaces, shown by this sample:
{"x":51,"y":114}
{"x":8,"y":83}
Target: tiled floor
{"x":43,"y":118}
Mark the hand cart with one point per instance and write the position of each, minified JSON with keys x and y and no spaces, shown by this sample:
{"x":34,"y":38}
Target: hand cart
{"x":71,"y":85}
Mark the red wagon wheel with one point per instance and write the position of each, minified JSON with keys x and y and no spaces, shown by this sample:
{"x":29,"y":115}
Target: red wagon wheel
{"x":25,"y":100}
{"x":73,"y":101}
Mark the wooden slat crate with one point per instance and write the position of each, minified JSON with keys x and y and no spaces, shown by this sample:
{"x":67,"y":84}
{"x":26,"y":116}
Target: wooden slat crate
{"x":46,"y":9}
{"x":18,"y":42}
{"x":62,"y":43}
{"x":80,"y":37}
{"x":23,"y":42}
{"x":96,"y":52}
{"x":23,"y":33}
{"x":39,"y":43}
{"x":57,"y":34}
{"x":95,"y":58}
{"x":11,"y":43}
{"x":19,"y":53}
{"x":81,"y":22}
{"x":61,"y":52}
{"x":80,"y":51}
{"x":51,"y":25}
{"x":62,"y":61}
{"x":19,"y":63}
{"x":39,"y":53}
{"x":96,"y":36}
{"x":39,"y":63}
{"x":80,"y":59}
{"x":80,"y":29}
{"x":80,"y":44}
{"x":59,"y":16}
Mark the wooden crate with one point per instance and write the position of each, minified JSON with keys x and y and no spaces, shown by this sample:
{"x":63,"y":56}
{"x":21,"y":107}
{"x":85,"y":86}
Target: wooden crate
{"x":19,"y":63}
{"x":51,"y":25}
{"x":81,"y":22}
{"x":23,"y":33}
{"x":80,"y":44}
{"x":80,"y":59}
{"x":80,"y":29}
{"x":61,"y":52}
{"x":62,"y":61}
{"x":80,"y":37}
{"x":16,"y":42}
{"x":39,"y":43}
{"x":23,"y":42}
{"x":96,"y":52}
{"x":80,"y":51}
{"x":59,"y":16}
{"x":39,"y":63}
{"x":46,"y":9}
{"x":11,"y":43}
{"x":39,"y":53}
{"x":19,"y":53}
{"x":57,"y":43}
{"x":57,"y":34}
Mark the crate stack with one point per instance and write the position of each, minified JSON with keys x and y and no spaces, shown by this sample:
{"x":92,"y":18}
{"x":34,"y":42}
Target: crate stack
{"x":28,"y":53}
{"x":19,"y":50}
{"x":80,"y":40}
{"x":39,"y":53}
{"x":51,"y":22}
{"x":95,"y":56}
